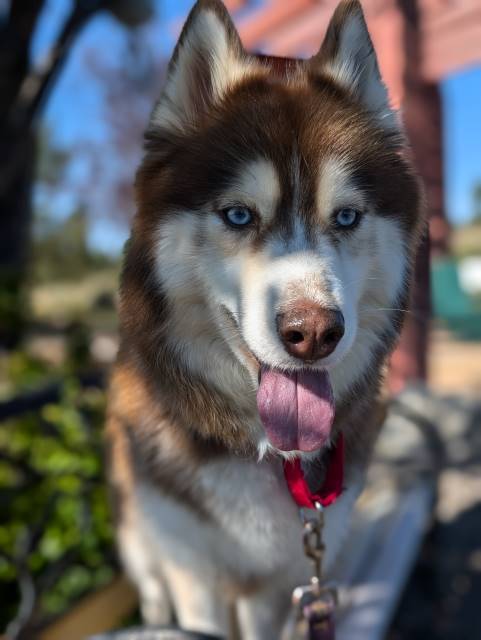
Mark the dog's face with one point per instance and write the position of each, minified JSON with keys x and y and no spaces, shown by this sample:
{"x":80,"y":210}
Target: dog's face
{"x":280,"y":200}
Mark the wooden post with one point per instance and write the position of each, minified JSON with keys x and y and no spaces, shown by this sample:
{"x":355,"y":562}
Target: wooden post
{"x":96,"y":613}
{"x":421,"y":107}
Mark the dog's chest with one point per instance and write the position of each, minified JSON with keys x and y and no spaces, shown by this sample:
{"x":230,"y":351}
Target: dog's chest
{"x":253,"y":530}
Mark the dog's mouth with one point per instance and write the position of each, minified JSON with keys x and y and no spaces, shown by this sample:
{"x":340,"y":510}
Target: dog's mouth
{"x":296,"y":408}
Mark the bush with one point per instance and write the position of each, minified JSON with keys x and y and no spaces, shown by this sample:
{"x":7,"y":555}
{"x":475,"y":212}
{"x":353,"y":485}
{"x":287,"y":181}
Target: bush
{"x":55,"y":529}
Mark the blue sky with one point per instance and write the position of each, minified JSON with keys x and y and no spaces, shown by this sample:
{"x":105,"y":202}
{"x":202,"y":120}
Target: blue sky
{"x":461,"y":95}
{"x":74,"y":110}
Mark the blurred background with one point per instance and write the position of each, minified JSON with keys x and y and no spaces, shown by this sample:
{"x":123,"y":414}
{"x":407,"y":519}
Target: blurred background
{"x":77,"y":82}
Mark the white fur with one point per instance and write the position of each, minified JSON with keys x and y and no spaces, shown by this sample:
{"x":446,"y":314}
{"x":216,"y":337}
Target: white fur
{"x":180,"y":102}
{"x":355,"y":67}
{"x":257,"y":536}
{"x":313,"y":273}
{"x":335,"y":189}
{"x":257,"y":187}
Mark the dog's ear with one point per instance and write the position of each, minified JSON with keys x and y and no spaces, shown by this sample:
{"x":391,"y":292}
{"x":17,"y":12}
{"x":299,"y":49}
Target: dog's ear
{"x":208,"y":59}
{"x":348,"y":57}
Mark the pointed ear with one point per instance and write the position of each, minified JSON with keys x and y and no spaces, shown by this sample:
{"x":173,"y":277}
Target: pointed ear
{"x":208,"y":59}
{"x":348,"y":56}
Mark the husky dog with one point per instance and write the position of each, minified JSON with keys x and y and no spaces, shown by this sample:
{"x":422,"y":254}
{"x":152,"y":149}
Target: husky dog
{"x":262,"y":290}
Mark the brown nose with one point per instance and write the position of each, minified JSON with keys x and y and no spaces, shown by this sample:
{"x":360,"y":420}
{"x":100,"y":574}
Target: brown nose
{"x":310,"y":332}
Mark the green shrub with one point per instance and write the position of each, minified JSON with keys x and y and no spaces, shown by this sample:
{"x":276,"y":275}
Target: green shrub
{"x":55,"y":525}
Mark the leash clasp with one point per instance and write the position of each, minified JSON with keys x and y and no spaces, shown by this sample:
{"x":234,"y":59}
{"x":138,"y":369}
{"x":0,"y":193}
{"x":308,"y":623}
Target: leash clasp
{"x":313,"y":604}
{"x":314,"y":547}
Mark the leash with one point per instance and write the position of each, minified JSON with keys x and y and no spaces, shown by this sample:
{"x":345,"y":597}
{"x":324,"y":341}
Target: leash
{"x":313,"y":604}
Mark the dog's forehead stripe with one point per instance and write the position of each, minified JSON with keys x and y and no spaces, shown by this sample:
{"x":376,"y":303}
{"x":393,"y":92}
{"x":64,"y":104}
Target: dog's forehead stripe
{"x":335,"y":188}
{"x":257,"y":185}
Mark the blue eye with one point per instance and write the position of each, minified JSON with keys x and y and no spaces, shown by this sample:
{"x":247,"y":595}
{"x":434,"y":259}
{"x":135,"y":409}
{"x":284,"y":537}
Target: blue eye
{"x":347,"y":217}
{"x":238,"y":216}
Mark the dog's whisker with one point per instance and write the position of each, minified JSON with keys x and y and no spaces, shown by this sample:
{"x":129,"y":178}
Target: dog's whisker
{"x":369,"y":309}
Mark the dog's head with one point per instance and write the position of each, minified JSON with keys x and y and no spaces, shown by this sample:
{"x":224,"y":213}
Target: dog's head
{"x":282,"y":214}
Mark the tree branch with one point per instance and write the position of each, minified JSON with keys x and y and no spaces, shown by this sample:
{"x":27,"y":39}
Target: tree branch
{"x":15,"y":39}
{"x":37,"y":84}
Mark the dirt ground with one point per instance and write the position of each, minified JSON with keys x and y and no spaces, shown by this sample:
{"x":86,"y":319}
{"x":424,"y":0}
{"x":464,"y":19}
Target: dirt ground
{"x":454,"y":365}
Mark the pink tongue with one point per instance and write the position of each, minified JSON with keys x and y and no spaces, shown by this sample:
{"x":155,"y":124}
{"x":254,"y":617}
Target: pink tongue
{"x":296,"y":409}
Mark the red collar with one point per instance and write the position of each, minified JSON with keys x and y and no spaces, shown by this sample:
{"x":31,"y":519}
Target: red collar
{"x":330,"y":490}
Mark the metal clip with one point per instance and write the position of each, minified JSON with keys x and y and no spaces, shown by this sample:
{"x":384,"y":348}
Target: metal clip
{"x":314,"y":547}
{"x":313,"y":604}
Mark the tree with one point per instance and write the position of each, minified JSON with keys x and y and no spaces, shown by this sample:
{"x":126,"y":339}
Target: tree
{"x":24,"y":90}
{"x":130,"y":90}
